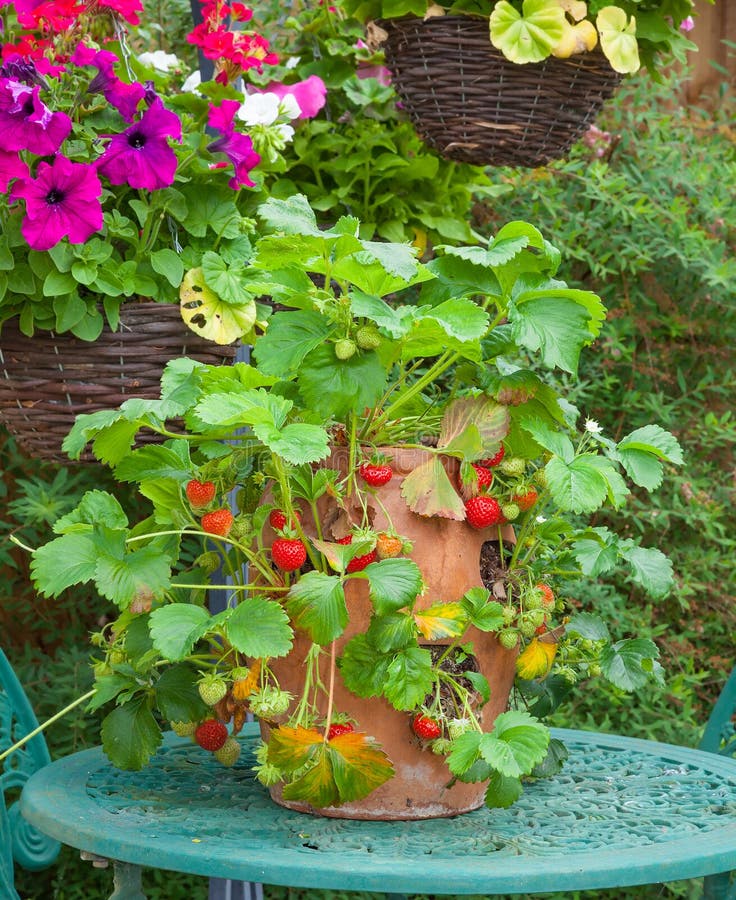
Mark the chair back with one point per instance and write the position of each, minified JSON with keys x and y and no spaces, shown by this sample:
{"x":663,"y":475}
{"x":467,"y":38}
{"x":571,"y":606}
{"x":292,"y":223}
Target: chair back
{"x":19,"y":841}
{"x":720,"y":730}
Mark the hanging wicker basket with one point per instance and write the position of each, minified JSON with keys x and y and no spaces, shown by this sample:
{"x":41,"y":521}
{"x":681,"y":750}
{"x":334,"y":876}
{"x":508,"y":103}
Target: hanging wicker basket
{"x":472,"y":105}
{"x":47,"y":380}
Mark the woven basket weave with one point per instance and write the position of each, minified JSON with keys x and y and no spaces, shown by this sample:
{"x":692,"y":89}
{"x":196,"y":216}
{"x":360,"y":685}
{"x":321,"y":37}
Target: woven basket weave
{"x":47,"y":380}
{"x":471,"y":104}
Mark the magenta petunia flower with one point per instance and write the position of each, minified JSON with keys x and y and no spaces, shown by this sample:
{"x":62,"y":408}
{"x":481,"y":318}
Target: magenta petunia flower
{"x":11,"y":167}
{"x":141,"y":156}
{"x":123,"y":96}
{"x":236,"y":146}
{"x":26,"y":123}
{"x":63,"y":200}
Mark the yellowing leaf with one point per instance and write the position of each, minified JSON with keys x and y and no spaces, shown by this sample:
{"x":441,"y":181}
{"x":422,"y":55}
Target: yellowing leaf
{"x":529,"y":36}
{"x":429,"y":492}
{"x":618,"y":39}
{"x":576,"y":39}
{"x":536,"y":659}
{"x":577,"y":9}
{"x":317,"y":785}
{"x":359,"y":765}
{"x":442,"y":620}
{"x":208,"y":316}
{"x":291,"y":748}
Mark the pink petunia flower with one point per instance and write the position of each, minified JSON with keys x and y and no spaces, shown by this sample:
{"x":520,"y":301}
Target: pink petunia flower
{"x":26,"y":123}
{"x":236,"y":146}
{"x":687,"y":24}
{"x":126,"y":9}
{"x":141,"y":156}
{"x":62,"y":201}
{"x":11,"y":167}
{"x":310,"y":94}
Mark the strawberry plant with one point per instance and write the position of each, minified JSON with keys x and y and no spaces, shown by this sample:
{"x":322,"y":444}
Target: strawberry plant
{"x":342,"y":561}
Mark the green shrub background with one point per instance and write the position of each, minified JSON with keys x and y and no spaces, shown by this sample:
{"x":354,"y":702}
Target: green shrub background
{"x":651,"y":226}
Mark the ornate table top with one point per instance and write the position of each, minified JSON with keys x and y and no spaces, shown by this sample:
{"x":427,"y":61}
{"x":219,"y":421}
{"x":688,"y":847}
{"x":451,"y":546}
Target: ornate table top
{"x":623,"y":812}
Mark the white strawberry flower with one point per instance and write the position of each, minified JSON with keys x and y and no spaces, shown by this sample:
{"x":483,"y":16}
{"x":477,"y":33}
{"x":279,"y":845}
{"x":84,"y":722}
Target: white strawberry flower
{"x":592,"y":427}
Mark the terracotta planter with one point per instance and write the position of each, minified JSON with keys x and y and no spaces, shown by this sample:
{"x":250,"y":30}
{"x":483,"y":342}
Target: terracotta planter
{"x":448,"y":555}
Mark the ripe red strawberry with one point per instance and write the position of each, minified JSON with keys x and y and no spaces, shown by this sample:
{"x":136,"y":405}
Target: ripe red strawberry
{"x":211,"y":735}
{"x":483,"y":511}
{"x":200,"y":493}
{"x":338,"y":728}
{"x":493,"y":460}
{"x":548,"y":598}
{"x":348,"y":539}
{"x":527,"y":500}
{"x":484,"y":476}
{"x":288,"y":554}
{"x":277,"y":519}
{"x":388,"y":546}
{"x":358,"y":563}
{"x":426,"y":728}
{"x":218,"y":522}
{"x":376,"y":474}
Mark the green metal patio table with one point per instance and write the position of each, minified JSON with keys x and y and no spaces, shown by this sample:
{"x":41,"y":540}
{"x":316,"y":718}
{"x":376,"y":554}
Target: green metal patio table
{"x":623,"y":812}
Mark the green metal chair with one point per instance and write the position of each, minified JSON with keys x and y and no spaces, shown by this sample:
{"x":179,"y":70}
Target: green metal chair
{"x":19,"y":841}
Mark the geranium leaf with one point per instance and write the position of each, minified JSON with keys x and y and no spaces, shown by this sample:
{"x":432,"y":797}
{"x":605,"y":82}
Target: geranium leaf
{"x":442,"y":620}
{"x":259,"y":627}
{"x":130,"y":735}
{"x":394,"y":583}
{"x":168,"y":263}
{"x":359,"y":765}
{"x":210,"y":316}
{"x":528,"y":36}
{"x":291,"y":216}
{"x":618,"y":39}
{"x":175,"y":629}
{"x":428,"y":491}
{"x":316,"y":604}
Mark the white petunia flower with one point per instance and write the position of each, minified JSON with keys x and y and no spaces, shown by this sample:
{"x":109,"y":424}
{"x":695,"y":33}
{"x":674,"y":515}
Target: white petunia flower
{"x":259,"y":109}
{"x":192,"y":83}
{"x":592,"y":426}
{"x":289,"y":107}
{"x":159,"y":60}
{"x":285,"y":132}
{"x":292,"y":62}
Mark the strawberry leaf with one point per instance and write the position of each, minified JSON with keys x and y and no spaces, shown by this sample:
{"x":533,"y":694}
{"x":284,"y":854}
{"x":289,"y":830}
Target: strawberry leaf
{"x":317,"y":785}
{"x":429,"y":492}
{"x":363,"y":667}
{"x":63,"y":562}
{"x":410,"y":678}
{"x":488,"y":419}
{"x":335,"y":388}
{"x":259,"y":627}
{"x":177,"y":696}
{"x":481,"y":611}
{"x":339,"y":555}
{"x":517,"y":743}
{"x":649,"y":567}
{"x":577,"y":486}
{"x":391,"y":632}
{"x":119,"y":578}
{"x":394,"y":583}
{"x":442,"y":620}
{"x":291,"y":748}
{"x":95,"y":508}
{"x":288,"y":339}
{"x":359,"y":765}
{"x":316,"y":604}
{"x":503,"y":791}
{"x":631,"y":663}
{"x":153,"y":462}
{"x":176,"y":628}
{"x":130,"y":735}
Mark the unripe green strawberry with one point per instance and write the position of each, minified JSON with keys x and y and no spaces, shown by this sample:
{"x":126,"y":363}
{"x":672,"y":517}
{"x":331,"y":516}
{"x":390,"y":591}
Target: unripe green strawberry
{"x":510,"y":511}
{"x":513,"y":466}
{"x":537,"y":617}
{"x":594,"y":670}
{"x":441,"y":746}
{"x":368,"y":337}
{"x":540,"y":476}
{"x":212,"y":688}
{"x":101,"y":669}
{"x":229,"y":753}
{"x":509,"y":614}
{"x":526,"y":626}
{"x":345,"y":349}
{"x":269,"y":701}
{"x":267,"y":774}
{"x":184,"y":729}
{"x":456,"y":727}
{"x":532,"y":600}
{"x":242,"y":527}
{"x":209,"y":561}
{"x":508,"y":638}
{"x":261,"y":753}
